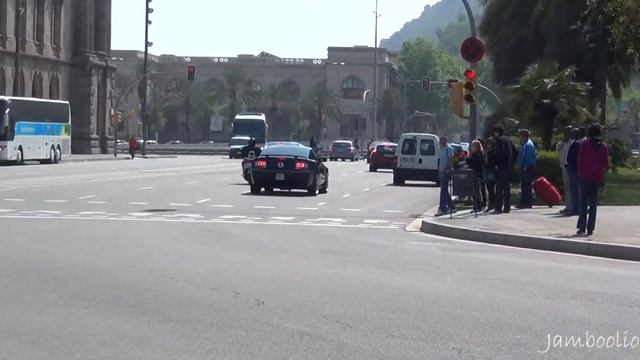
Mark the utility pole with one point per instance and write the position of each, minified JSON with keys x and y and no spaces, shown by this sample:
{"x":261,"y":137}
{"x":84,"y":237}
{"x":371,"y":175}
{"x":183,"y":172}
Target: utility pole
{"x":147,"y":22}
{"x":473,"y":108}
{"x":375,"y":78}
{"x":18,"y":54}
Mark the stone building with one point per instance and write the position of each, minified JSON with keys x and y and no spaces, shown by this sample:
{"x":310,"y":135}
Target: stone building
{"x":63,"y":53}
{"x":348,"y":72}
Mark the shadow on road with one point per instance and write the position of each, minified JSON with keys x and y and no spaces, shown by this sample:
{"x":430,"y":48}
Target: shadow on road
{"x":279,"y":193}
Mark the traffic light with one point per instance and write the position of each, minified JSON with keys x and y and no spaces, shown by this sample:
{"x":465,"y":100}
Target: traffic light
{"x":426,"y":84}
{"x":457,"y":90}
{"x":471,"y":79}
{"x":116,"y":118}
{"x":191,"y":72}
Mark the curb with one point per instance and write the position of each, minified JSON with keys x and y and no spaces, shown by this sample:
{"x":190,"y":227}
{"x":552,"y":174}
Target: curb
{"x":578,"y":247}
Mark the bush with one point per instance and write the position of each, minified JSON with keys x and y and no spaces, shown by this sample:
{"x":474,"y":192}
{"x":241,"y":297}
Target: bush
{"x":620,"y":154}
{"x":548,"y":165}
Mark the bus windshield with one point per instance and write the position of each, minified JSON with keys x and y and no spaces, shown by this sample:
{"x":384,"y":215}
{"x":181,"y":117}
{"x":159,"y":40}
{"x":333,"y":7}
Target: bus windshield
{"x":255,"y":128}
{"x":4,"y":121}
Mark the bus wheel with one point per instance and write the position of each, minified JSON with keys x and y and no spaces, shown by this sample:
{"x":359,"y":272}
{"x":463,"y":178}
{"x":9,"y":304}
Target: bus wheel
{"x":57,"y":155}
{"x":20,"y":159}
{"x":52,"y":157}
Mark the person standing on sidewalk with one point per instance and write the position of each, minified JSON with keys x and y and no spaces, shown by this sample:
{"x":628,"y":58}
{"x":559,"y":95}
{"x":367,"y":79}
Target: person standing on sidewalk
{"x":572,"y":171}
{"x":133,"y":146}
{"x":489,"y":174}
{"x":527,"y":160}
{"x":593,"y":162}
{"x":506,"y":154}
{"x":476,"y":163}
{"x":563,"y":150}
{"x":445,"y":166}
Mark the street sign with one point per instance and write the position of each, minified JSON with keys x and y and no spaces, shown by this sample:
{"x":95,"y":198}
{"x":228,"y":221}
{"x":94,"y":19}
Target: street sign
{"x":215,"y":123}
{"x":472,"y":50}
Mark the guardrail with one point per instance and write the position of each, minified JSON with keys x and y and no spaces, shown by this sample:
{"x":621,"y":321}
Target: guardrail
{"x":181,"y":149}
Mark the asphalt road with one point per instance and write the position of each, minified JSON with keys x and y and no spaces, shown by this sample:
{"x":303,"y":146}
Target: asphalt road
{"x":173,"y":259}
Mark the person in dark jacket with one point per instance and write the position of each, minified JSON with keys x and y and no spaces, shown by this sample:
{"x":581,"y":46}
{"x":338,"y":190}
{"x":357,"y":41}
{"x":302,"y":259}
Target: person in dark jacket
{"x":506,"y":156}
{"x":593,"y":163}
{"x":133,"y":146}
{"x":489,"y":173}
{"x":476,"y":163}
{"x":572,"y":171}
{"x":249,"y":148}
{"x":312,"y":142}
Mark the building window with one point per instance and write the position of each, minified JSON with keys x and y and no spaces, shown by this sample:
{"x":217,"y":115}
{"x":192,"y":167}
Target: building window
{"x":353,"y":125}
{"x":352,"y":88}
{"x":38,"y":25}
{"x":56,"y":27}
{"x":3,"y":82}
{"x":3,"y":24}
{"x":23,"y":25}
{"x":54,"y":88}
{"x":36,"y":87}
{"x":21,"y":85}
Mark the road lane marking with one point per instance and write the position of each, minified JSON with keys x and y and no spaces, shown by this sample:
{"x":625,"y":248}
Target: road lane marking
{"x":282,"y":218}
{"x":86,"y":197}
{"x":146,"y":188}
{"x":345,"y":174}
{"x":366,"y":189}
{"x":6,"y":210}
{"x":191,"y":183}
{"x":231,"y":217}
{"x":307,"y":208}
{"x":140,"y":214}
{"x":191,"y":216}
{"x":263,"y":207}
{"x":14,"y":200}
{"x":57,"y":201}
{"x":96,"y":202}
{"x":138,"y":203}
{"x":328,"y":220}
{"x":92,"y":213}
{"x":376,"y":221}
{"x":346,"y":196}
{"x":179,"y":204}
{"x":351,"y":210}
{"x":322,"y":204}
{"x":203,"y":201}
{"x":222,"y":206}
{"x":393,"y":211}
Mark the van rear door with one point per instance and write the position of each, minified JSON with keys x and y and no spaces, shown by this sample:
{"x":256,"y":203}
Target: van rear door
{"x":428,"y":153}
{"x":407,"y":153}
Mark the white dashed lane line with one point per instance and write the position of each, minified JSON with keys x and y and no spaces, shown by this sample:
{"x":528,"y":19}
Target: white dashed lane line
{"x":351,"y":210}
{"x":138,"y":203}
{"x":146,"y":188}
{"x":6,"y":210}
{"x":191,"y":183}
{"x":263,"y":207}
{"x":393,"y":211}
{"x":86,"y":197}
{"x":346,"y":196}
{"x":96,"y":202}
{"x":322,"y":204}
{"x":14,"y":200}
{"x":222,"y":206}
{"x":57,"y":201}
{"x":179,"y":205}
{"x":203,"y":201}
{"x":366,"y":189}
{"x":307,"y":208}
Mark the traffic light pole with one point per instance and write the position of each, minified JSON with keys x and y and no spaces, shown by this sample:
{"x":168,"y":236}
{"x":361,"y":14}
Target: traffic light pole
{"x":473,"y":109}
{"x":144,"y":79}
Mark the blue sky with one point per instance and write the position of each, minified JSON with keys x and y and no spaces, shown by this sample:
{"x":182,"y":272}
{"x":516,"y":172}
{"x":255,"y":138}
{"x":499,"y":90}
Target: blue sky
{"x":287,"y":28}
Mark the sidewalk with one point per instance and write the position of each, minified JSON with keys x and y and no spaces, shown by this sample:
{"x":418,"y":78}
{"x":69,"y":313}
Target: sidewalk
{"x":617,"y":233}
{"x":107,"y":157}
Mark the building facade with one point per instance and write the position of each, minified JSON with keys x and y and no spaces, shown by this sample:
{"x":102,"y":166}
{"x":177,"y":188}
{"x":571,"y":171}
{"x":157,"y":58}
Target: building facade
{"x":59,"y":49}
{"x":347,"y":71}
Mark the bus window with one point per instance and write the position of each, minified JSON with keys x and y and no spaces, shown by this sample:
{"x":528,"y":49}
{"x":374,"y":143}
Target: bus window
{"x":4,"y":121}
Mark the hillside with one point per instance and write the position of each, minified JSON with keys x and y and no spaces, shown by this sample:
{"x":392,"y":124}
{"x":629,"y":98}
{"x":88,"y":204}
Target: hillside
{"x":433,"y":18}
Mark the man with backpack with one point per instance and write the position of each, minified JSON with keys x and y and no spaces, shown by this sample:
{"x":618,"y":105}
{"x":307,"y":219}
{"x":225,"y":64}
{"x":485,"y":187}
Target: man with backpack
{"x":506,"y":155}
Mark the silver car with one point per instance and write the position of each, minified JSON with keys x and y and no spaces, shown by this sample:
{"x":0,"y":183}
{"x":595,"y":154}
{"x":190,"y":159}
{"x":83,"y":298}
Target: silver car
{"x":343,"y":150}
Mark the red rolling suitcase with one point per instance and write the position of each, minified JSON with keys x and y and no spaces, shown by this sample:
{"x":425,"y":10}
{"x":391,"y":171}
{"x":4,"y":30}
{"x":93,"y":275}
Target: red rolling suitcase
{"x":547,"y":191}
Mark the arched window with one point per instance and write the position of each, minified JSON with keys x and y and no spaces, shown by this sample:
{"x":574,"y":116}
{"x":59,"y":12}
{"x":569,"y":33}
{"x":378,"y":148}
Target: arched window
{"x":36,"y":87}
{"x":54,"y":88}
{"x":21,"y":85}
{"x":352,"y":88}
{"x":38,"y":25}
{"x":3,"y":83}
{"x":290,"y":89}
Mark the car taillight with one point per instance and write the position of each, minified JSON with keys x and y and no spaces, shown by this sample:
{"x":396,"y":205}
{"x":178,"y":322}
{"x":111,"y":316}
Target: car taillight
{"x":301,"y":165}
{"x":261,"y":163}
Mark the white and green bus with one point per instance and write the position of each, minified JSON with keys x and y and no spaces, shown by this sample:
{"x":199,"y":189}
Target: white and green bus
{"x":34,"y":129}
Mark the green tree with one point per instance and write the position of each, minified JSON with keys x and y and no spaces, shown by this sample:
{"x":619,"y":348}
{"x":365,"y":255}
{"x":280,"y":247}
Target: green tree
{"x":317,"y":105}
{"x":420,"y":58}
{"x":546,"y":98}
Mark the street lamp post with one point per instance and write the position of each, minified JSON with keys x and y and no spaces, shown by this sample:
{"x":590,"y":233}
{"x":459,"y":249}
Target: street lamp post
{"x":18,"y":55}
{"x":147,"y":44}
{"x":375,"y":77}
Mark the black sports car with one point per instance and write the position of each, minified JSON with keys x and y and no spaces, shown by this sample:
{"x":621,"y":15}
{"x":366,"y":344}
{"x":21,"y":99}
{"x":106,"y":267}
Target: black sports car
{"x":288,"y":167}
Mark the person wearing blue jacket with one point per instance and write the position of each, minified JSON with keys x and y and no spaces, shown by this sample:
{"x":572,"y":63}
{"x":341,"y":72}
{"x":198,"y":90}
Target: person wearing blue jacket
{"x":527,"y":161}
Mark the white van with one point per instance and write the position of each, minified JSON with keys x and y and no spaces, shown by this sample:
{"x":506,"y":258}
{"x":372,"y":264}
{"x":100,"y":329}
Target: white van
{"x":417,"y":158}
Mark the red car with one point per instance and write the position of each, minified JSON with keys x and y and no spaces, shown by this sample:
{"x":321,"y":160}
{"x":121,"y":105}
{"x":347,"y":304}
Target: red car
{"x":383,"y":157}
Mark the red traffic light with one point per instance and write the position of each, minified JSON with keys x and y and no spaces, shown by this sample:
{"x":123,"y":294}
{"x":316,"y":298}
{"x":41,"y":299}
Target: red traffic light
{"x":470,"y":75}
{"x":191,"y":72}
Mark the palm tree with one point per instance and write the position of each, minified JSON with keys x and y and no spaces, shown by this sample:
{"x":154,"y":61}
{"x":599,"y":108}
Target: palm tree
{"x":546,"y":96}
